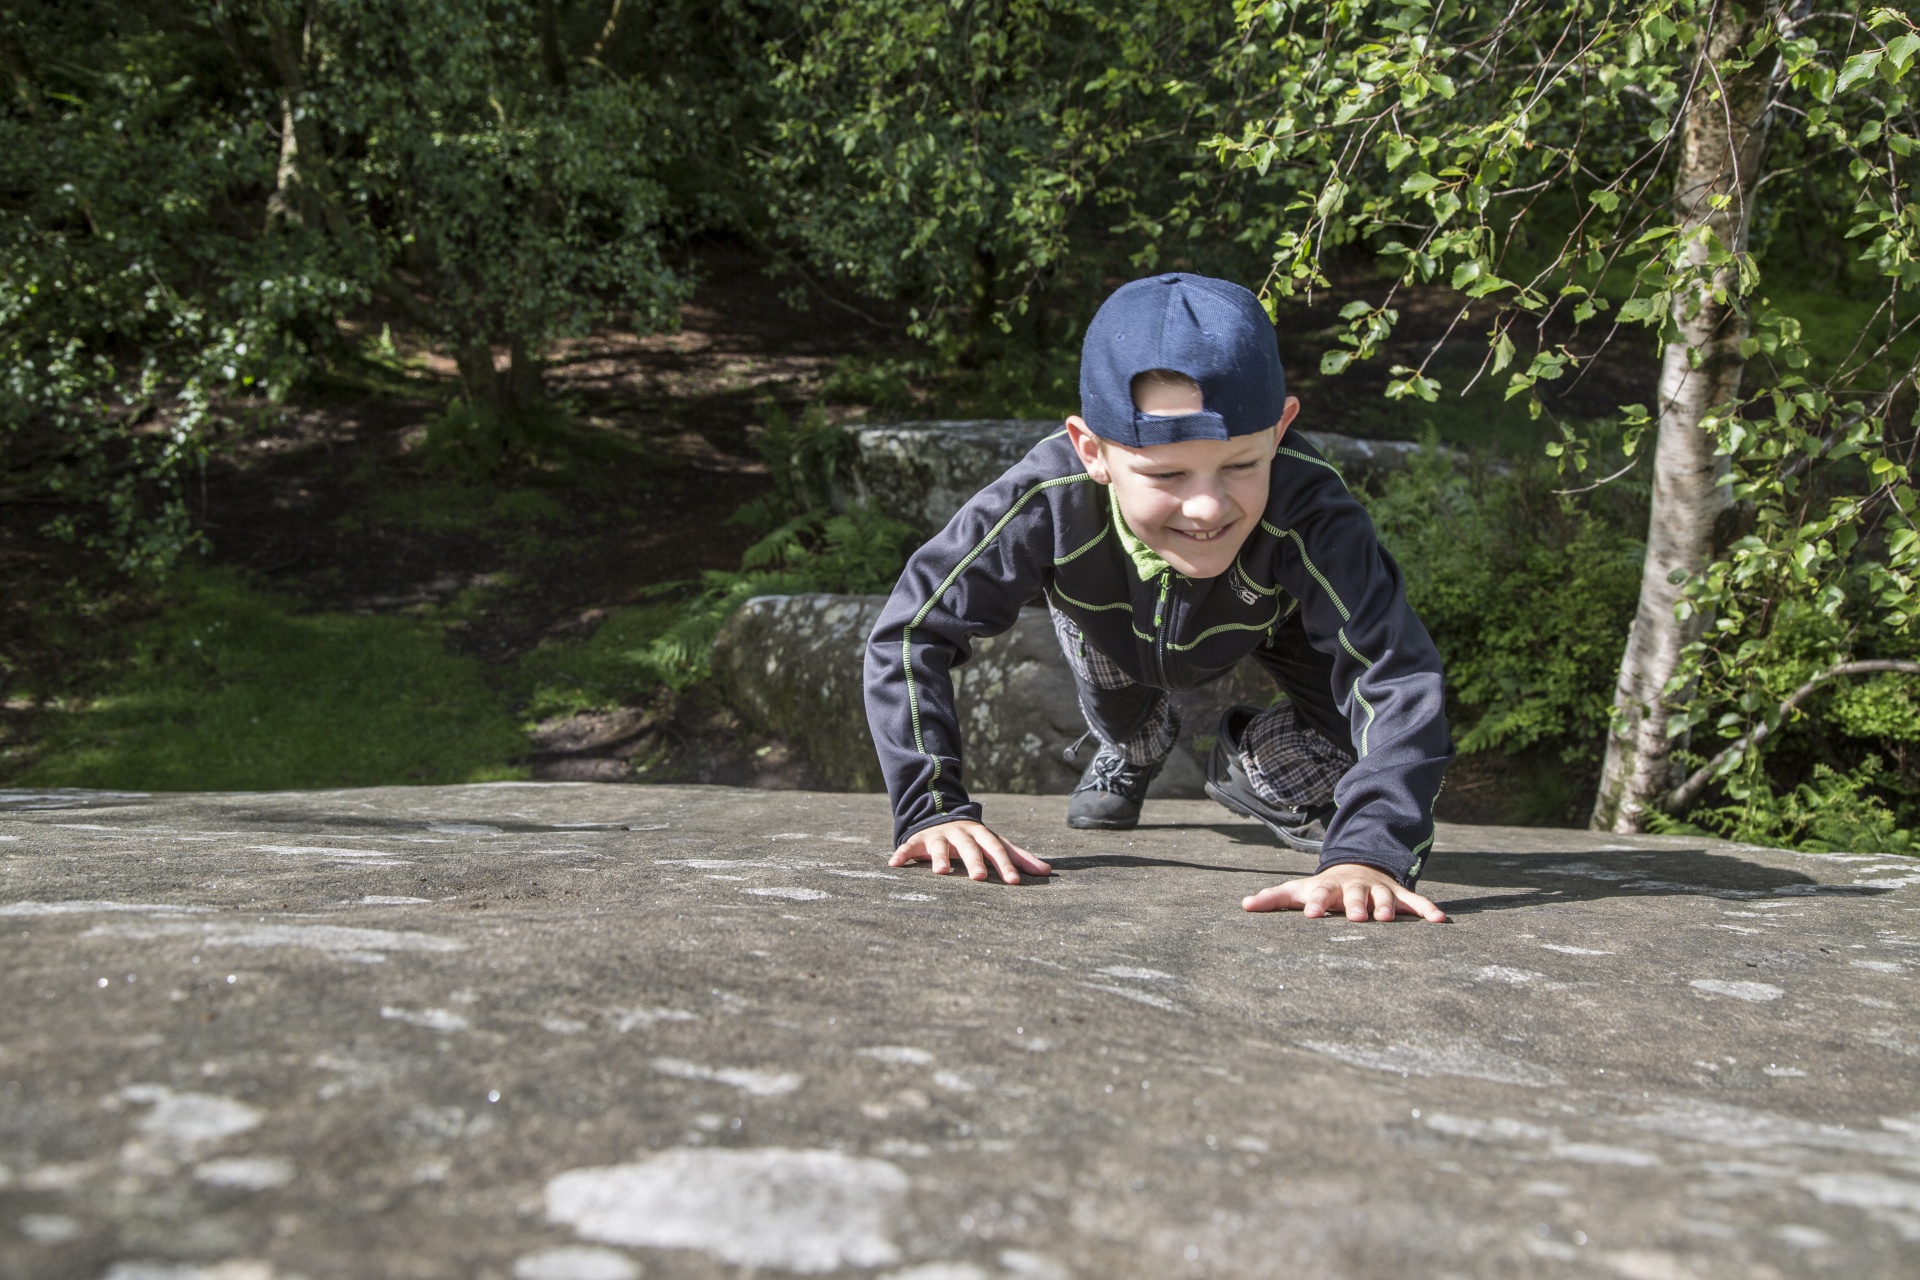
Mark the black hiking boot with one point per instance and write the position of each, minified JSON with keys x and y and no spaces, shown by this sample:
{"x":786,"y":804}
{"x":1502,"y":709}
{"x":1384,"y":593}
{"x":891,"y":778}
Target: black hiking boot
{"x":1227,"y":782}
{"x":1110,"y":793}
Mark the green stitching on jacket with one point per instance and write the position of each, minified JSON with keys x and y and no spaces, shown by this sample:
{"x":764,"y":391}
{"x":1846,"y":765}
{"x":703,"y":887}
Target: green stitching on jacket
{"x":1420,"y":853}
{"x":1318,"y":462}
{"x":1339,"y":604}
{"x":1307,"y":560}
{"x":906,"y":632}
{"x":1227,"y":626}
{"x":1091,"y":608}
{"x":1366,"y":728}
{"x":1075,"y":555}
{"x":1358,"y":697}
{"x":1348,"y":646}
{"x":1247,"y":578}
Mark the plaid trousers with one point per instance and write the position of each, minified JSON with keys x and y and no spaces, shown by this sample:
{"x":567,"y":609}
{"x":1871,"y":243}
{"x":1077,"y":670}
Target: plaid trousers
{"x":1290,"y":763}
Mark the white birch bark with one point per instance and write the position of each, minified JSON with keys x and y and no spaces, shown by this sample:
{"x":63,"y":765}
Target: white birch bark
{"x":1723,"y":136}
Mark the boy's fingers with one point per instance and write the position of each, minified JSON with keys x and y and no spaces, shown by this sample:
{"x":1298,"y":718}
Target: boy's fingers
{"x":1359,"y":901}
{"x":997,"y":850}
{"x":939,"y":854}
{"x":971,"y":854}
{"x":1421,"y":906}
{"x":1028,"y":863}
{"x":1279,"y":897}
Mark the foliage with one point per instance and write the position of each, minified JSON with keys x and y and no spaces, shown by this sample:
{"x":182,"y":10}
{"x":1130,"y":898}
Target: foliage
{"x":1524,"y":158}
{"x":805,"y":544}
{"x":1528,"y":595}
{"x":615,"y":666}
{"x":979,"y":161}
{"x":231,"y":689}
{"x":1832,"y":812}
{"x":194,"y":196}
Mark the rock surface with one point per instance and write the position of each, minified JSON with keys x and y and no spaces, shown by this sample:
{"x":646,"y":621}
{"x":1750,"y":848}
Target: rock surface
{"x":923,"y":472}
{"x":793,"y":666}
{"x":560,"y":1031}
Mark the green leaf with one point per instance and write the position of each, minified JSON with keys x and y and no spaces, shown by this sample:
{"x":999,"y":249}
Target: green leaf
{"x":1901,"y":49}
{"x":1643,"y":310}
{"x":1335,"y":362}
{"x":1330,"y":197}
{"x":1607,"y":201}
{"x":1419,"y":184}
{"x":1857,"y":68}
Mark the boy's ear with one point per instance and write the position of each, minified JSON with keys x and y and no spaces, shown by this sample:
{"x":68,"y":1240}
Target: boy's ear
{"x":1287,"y":413}
{"x":1087,"y":445}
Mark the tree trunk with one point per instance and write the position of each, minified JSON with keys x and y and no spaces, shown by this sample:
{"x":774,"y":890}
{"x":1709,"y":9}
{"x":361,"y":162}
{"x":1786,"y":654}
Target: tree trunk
{"x":1723,"y":136}
{"x":514,"y":394}
{"x":478,"y":376}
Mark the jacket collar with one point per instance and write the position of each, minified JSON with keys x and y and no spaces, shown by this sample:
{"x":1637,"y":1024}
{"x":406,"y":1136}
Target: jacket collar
{"x":1147,"y":562}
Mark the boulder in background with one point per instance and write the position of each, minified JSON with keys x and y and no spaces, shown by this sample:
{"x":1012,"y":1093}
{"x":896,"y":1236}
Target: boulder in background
{"x":793,"y":665}
{"x":923,"y":472}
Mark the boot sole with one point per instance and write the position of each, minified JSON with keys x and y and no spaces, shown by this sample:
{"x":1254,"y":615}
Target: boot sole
{"x":1101,"y":824}
{"x":1280,"y":833}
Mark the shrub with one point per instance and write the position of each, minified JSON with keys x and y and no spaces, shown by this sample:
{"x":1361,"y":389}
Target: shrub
{"x":1527,"y":594}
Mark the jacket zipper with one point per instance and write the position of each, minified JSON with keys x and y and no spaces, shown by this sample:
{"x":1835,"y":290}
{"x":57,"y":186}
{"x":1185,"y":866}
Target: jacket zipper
{"x":1160,"y":612}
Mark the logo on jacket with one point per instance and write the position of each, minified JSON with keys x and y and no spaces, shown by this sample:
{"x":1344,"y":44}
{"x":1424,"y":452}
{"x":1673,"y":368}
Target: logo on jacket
{"x":1241,"y":587}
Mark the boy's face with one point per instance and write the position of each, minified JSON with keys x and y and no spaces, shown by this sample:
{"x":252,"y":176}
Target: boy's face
{"x":1196,"y":502}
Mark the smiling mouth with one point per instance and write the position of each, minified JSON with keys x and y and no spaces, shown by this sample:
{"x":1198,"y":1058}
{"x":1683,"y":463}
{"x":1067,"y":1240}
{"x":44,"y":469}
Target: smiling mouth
{"x":1202,"y":535}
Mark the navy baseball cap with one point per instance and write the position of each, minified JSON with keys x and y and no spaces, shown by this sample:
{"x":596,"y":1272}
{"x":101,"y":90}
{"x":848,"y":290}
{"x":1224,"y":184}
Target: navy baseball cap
{"x":1213,"y":331}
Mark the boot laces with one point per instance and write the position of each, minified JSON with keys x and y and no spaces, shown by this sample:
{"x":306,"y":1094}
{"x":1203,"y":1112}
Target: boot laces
{"x":1111,"y":772}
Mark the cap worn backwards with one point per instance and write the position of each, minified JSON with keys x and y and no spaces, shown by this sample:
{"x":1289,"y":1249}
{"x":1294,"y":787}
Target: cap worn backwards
{"x":1213,"y":331}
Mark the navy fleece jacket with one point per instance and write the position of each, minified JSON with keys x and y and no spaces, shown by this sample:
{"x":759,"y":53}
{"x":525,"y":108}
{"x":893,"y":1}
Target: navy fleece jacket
{"x":1045,"y":527}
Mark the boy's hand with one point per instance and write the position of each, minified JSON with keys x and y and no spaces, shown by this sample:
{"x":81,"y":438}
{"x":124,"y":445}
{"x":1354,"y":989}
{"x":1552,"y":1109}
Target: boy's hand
{"x":974,"y":845}
{"x":1363,"y":892}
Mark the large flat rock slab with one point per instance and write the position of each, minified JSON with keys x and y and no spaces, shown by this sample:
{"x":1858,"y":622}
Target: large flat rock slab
{"x":562,"y":1031}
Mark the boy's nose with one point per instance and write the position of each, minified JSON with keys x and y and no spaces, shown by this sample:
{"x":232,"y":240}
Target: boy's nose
{"x":1206,"y":506}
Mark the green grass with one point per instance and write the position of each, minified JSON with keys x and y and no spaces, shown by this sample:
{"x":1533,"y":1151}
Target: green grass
{"x":610,"y":668}
{"x":229,"y":689}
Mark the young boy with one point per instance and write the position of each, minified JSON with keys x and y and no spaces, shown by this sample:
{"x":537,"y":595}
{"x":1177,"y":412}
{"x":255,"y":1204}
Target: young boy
{"x":1172,"y":531}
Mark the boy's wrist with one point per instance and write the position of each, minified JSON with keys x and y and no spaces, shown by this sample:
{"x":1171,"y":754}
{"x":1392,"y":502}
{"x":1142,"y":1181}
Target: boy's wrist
{"x":1397,"y":872}
{"x":965,"y":813}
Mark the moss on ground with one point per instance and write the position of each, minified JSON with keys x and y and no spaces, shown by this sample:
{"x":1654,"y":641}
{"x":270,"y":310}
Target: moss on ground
{"x":231,"y":688}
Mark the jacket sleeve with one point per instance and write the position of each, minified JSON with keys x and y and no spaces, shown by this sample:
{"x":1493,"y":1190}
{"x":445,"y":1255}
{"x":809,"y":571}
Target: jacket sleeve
{"x":970,"y":580}
{"x":1387,"y":677}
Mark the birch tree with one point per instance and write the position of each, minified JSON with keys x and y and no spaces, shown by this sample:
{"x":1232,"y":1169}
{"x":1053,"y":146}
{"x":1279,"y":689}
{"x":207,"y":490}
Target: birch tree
{"x":1631,"y":139}
{"x":1723,"y":128}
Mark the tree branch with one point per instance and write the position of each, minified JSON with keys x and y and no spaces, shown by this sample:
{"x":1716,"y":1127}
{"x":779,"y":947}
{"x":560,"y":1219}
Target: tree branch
{"x":1683,"y":795}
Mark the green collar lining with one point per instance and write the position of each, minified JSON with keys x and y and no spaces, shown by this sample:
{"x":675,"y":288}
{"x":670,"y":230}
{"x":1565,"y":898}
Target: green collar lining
{"x":1147,"y":562}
